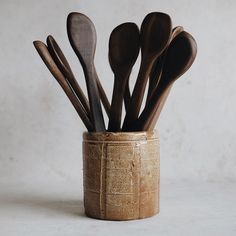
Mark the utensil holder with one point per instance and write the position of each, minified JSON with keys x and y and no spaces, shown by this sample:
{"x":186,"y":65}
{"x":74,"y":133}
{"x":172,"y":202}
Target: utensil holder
{"x":121,"y":174}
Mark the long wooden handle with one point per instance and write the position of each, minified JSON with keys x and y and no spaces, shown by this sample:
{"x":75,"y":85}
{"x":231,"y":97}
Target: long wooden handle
{"x":147,"y":116}
{"x":159,"y":107}
{"x":46,"y":57}
{"x":79,"y":92}
{"x":94,"y":98}
{"x":64,"y":66}
{"x":137,"y":95}
{"x":127,"y":95}
{"x":155,"y":75}
{"x":103,"y":97}
{"x":120,"y":83}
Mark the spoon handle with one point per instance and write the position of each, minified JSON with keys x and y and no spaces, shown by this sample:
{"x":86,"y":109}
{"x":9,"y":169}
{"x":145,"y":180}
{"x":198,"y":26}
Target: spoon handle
{"x":94,"y":98}
{"x":64,"y":66}
{"x":46,"y":57}
{"x":103,"y":97}
{"x":127,"y":95}
{"x":120,"y":83}
{"x":155,"y":76}
{"x":137,"y":95}
{"x":79,"y":92}
{"x":146,"y":117}
{"x":151,"y":125}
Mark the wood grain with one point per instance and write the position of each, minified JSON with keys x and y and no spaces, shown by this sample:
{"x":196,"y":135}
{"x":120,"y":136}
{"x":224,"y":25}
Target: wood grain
{"x":65,"y":68}
{"x":46,"y":57}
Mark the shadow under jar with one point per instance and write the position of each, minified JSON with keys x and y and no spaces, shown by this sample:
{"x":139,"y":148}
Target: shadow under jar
{"x":121,"y":174}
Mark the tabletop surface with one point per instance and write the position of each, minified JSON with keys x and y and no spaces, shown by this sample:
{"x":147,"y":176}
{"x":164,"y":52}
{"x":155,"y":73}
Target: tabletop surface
{"x":187,"y":208}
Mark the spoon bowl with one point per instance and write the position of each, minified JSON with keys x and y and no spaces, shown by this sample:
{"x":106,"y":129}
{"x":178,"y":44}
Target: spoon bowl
{"x":156,"y":71}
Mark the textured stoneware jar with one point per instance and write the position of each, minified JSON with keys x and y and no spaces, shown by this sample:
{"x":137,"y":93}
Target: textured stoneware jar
{"x":121,"y":175}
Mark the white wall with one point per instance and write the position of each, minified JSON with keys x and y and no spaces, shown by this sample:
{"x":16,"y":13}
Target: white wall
{"x":40,"y":133}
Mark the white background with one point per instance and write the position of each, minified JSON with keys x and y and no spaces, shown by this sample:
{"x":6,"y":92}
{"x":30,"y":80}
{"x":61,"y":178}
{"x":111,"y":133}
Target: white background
{"x":40,"y":133}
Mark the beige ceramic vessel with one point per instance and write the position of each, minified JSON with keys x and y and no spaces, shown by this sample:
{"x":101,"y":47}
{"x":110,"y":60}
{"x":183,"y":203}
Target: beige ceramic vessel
{"x":121,"y":175}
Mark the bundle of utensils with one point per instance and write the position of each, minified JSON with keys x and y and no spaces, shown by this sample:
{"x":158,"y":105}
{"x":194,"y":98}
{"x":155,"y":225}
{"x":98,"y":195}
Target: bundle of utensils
{"x":166,"y":54}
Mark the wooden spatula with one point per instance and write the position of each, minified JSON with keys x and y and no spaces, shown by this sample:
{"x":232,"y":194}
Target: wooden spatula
{"x":48,"y":60}
{"x":64,"y":66}
{"x":82,"y":36}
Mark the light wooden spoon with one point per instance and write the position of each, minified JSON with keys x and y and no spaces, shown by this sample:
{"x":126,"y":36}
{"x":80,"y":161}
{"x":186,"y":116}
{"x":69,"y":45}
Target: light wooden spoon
{"x":48,"y":60}
{"x":123,"y":52}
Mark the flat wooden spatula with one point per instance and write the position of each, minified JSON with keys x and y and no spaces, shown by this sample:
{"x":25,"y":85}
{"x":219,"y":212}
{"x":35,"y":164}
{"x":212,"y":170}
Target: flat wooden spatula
{"x":82,"y":36}
{"x":51,"y":65}
{"x":65,"y":68}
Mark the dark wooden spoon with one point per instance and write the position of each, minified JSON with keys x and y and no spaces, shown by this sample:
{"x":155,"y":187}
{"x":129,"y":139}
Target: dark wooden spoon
{"x":65,"y":68}
{"x":123,"y":52}
{"x":82,"y":37}
{"x":180,"y":56}
{"x":48,"y":60}
{"x":155,"y":35}
{"x":176,"y":31}
{"x":157,"y":66}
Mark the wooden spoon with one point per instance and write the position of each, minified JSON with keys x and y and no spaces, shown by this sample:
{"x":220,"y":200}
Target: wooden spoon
{"x":155,"y":74}
{"x":82,"y":36}
{"x":155,"y":35}
{"x":46,"y":57}
{"x":123,"y":52}
{"x":180,"y":56}
{"x":176,"y":31}
{"x":64,"y":66}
